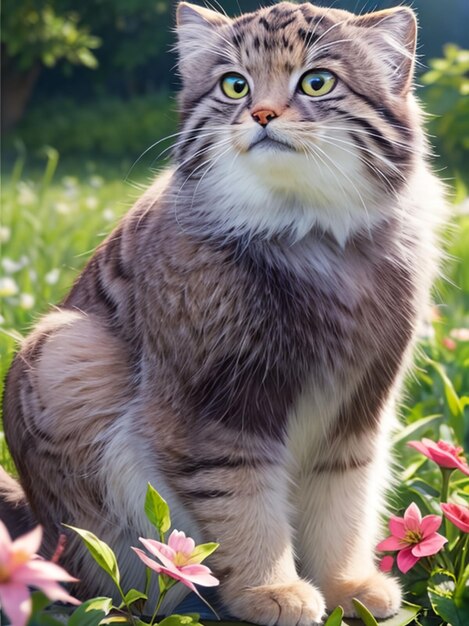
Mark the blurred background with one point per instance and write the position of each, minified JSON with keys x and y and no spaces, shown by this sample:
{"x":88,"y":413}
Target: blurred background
{"x":96,"y":78}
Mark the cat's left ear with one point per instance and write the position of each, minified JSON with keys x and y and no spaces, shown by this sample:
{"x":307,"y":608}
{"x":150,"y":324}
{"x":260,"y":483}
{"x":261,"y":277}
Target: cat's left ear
{"x":197,"y":30}
{"x":393,"y":34}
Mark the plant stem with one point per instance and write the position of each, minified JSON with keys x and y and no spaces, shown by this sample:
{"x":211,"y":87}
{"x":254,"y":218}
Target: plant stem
{"x":158,"y":606}
{"x":445,"y":476}
{"x":132,"y":620}
{"x":463,"y":555}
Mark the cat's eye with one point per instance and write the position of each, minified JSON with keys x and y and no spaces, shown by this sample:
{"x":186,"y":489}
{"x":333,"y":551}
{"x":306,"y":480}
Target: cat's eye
{"x":317,"y":83}
{"x":234,"y":86}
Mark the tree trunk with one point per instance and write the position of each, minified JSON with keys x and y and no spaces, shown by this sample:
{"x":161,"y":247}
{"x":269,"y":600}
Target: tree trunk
{"x":17,"y":87}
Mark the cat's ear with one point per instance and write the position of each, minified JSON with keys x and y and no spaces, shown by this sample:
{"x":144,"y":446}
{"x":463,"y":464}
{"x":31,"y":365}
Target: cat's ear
{"x":393,"y":34}
{"x":198,"y":17}
{"x":198,"y":32}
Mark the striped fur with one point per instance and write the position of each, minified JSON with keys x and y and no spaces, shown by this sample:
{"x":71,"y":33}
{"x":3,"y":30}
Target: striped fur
{"x":240,"y":339}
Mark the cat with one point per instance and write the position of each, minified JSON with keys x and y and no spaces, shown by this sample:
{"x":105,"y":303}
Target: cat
{"x":240,"y":339}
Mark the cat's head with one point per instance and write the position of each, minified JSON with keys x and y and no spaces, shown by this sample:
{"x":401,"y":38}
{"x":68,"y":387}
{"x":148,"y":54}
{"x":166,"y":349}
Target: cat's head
{"x":296,"y":116}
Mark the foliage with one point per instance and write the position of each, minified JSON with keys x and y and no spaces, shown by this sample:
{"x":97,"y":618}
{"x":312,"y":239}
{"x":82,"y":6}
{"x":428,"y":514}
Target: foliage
{"x":42,"y":31}
{"x":133,"y":601}
{"x":108,"y":127}
{"x":447,"y":99}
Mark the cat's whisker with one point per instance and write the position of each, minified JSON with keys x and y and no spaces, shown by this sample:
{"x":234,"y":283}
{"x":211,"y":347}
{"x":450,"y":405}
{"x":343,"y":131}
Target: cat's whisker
{"x":153,"y":145}
{"x":366,"y":162}
{"x":343,"y":173}
{"x":314,"y":47}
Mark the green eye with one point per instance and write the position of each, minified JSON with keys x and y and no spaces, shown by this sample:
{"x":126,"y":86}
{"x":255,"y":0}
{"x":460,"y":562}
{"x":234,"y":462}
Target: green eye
{"x":234,"y":86}
{"x":317,"y":83}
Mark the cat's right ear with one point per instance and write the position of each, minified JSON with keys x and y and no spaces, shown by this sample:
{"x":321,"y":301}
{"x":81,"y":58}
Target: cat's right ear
{"x":197,"y":30}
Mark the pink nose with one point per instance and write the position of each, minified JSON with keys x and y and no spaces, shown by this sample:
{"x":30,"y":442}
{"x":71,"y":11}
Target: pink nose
{"x":263,"y":116}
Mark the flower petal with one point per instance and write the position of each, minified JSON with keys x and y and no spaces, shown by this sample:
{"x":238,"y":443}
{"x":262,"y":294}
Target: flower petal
{"x":200,"y":575}
{"x":406,"y":560}
{"x":430,"y":524}
{"x":457,"y":514}
{"x":16,"y":602}
{"x":412,"y":517}
{"x":386,"y":563}
{"x":5,"y":543}
{"x":163,"y":552}
{"x":56,"y":592}
{"x":397,"y":526}
{"x":420,"y":447}
{"x":430,"y":545}
{"x":30,"y":542}
{"x":39,"y":571}
{"x":180,"y":543}
{"x":154,"y":565}
{"x":390,"y":544}
{"x":462,"y":466}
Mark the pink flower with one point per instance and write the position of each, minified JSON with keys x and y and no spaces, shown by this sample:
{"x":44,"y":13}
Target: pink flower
{"x":442,"y":453}
{"x":386,"y":563}
{"x":458,"y":515}
{"x":413,"y":537}
{"x":449,"y":343}
{"x":180,"y":560}
{"x":20,"y":568}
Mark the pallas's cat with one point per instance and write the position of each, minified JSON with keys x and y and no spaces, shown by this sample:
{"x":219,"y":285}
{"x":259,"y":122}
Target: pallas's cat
{"x":240,"y":338}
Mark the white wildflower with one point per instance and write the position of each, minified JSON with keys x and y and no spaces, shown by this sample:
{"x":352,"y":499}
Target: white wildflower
{"x":26,"y":194}
{"x":91,"y":202}
{"x":10,"y":266}
{"x":8,"y":287}
{"x":5,"y":234}
{"x":108,"y":215}
{"x":96,"y":182}
{"x":52,"y":277}
{"x":62,"y":208}
{"x":26,"y":301}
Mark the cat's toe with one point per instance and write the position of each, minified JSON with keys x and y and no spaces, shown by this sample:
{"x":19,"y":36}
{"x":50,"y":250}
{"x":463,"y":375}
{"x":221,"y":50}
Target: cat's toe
{"x":294,"y":604}
{"x":381,"y":594}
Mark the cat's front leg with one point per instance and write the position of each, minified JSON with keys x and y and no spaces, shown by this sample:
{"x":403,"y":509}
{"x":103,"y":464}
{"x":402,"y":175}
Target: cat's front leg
{"x":242,"y":504}
{"x":339,"y":496}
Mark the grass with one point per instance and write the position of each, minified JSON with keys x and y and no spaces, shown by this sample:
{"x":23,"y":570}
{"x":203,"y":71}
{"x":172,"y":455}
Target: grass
{"x":53,"y":218}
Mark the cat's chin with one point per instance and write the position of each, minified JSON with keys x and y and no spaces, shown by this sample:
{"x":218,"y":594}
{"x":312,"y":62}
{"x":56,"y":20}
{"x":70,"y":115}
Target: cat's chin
{"x":267,"y":144}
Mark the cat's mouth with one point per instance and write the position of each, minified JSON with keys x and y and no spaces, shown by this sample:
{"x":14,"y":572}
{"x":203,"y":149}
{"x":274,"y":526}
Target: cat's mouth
{"x":268,"y":143}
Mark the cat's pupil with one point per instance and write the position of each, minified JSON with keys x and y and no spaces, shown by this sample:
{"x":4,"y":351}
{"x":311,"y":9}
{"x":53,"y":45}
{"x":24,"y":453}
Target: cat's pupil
{"x":239,"y":85}
{"x":316,"y":83}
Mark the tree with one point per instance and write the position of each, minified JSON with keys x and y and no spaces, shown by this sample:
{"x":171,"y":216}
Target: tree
{"x":38,"y":33}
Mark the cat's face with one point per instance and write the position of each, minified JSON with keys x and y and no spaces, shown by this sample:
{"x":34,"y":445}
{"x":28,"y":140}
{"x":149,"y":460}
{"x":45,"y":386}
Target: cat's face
{"x":299,"y":105}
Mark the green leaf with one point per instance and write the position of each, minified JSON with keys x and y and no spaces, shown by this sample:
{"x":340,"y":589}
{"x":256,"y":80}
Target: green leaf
{"x":40,"y":601}
{"x":441,"y":586}
{"x":91,"y":613}
{"x":363,"y":613}
{"x":454,"y":403}
{"x":101,"y":553}
{"x":406,"y":615}
{"x":157,"y":510}
{"x":133,"y":595}
{"x":335,"y":618}
{"x":416,"y":428}
{"x":202,"y":551}
{"x":180,"y":620}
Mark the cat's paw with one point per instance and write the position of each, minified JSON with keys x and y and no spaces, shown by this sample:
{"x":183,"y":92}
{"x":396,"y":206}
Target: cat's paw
{"x":294,"y":604}
{"x":381,"y":594}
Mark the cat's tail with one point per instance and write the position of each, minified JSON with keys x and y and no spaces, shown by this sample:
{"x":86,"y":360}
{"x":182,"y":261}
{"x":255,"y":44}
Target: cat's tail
{"x":15,"y":512}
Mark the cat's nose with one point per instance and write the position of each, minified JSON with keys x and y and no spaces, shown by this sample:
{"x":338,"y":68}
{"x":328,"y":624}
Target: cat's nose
{"x":263,"y":116}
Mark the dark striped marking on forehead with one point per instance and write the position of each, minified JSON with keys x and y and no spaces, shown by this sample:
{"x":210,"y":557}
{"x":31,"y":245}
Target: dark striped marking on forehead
{"x":271,"y":24}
